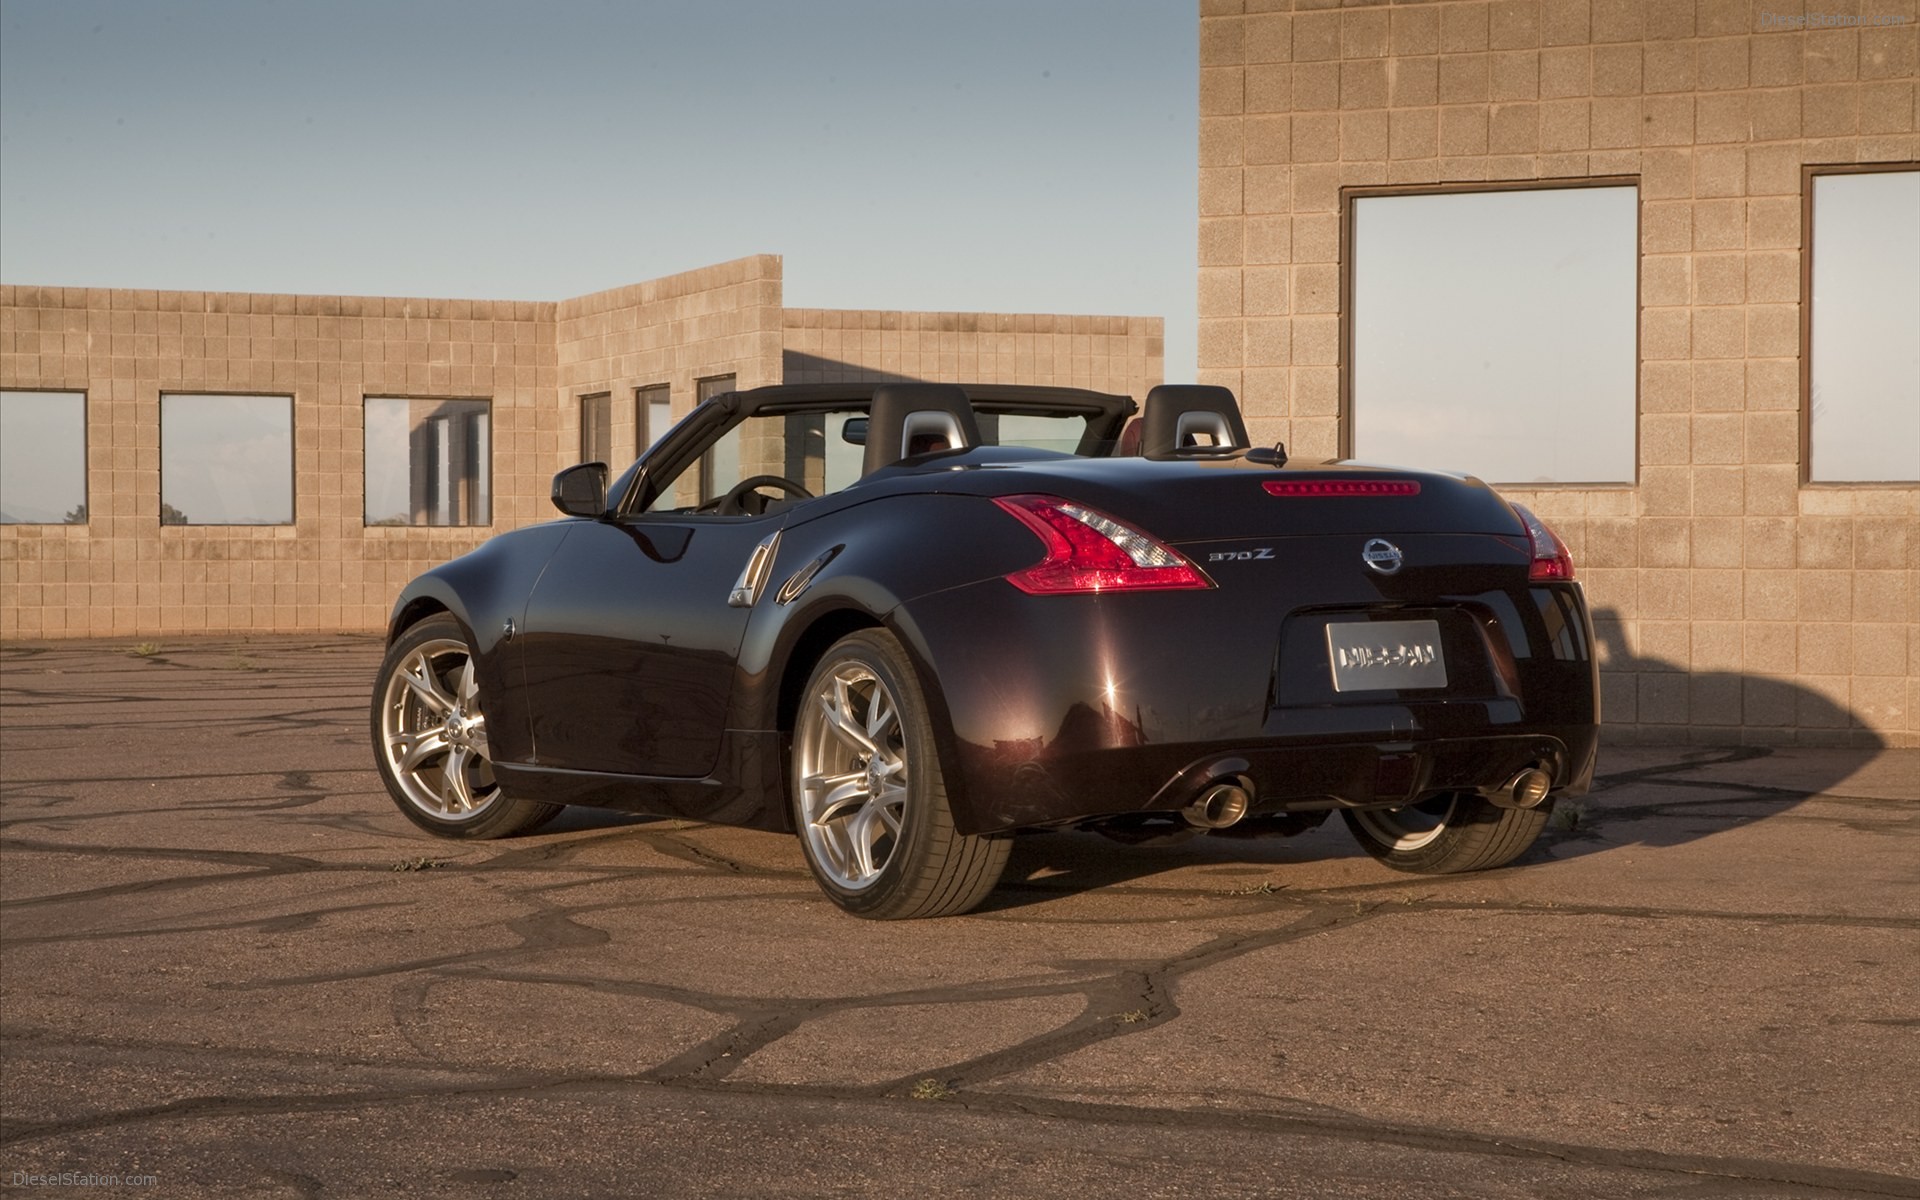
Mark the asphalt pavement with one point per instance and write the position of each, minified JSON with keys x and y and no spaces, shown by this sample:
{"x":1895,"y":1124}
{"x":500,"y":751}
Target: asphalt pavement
{"x":229,"y":967}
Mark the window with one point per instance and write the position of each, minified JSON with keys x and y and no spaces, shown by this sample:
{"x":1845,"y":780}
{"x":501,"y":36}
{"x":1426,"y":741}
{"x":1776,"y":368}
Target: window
{"x":226,"y":460}
{"x":841,"y":461}
{"x":1863,"y":326}
{"x":811,"y":449}
{"x":652,"y":414}
{"x":721,"y":468}
{"x":43,"y":458}
{"x":1059,"y":433}
{"x":596,"y":428}
{"x":428,"y":461}
{"x":1495,"y":332}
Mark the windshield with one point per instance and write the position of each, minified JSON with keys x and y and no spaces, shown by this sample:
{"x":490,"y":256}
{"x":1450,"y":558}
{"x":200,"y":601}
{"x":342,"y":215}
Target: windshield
{"x":812,"y":450}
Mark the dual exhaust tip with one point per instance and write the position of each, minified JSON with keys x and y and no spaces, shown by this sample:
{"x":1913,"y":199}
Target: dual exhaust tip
{"x":1224,"y":803}
{"x":1528,"y":789}
{"x":1219,"y":806}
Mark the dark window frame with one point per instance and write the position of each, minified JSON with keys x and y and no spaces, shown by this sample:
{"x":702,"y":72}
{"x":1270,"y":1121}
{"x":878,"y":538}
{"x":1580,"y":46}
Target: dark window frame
{"x":605,"y":401}
{"x":644,"y":434}
{"x":86,"y":457}
{"x":701,"y":396}
{"x":1808,"y":173}
{"x":1344,"y":351}
{"x":493,"y":441}
{"x":293,"y":458}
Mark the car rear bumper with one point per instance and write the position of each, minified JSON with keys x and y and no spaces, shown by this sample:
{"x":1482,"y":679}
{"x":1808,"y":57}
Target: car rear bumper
{"x":1281,"y":776}
{"x":1058,"y":710}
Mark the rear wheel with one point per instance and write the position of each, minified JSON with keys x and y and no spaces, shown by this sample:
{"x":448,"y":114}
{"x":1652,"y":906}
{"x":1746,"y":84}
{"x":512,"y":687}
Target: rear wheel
{"x":1456,"y":832}
{"x":870,"y":802}
{"x":430,"y":738}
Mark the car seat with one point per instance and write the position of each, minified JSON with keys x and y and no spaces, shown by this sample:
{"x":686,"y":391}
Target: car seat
{"x":1180,"y":417}
{"x":908,"y":419}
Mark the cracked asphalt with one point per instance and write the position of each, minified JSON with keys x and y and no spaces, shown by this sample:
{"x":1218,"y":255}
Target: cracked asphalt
{"x":229,"y":963}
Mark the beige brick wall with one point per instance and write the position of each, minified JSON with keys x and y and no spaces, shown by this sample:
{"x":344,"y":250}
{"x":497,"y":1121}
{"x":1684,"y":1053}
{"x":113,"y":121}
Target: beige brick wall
{"x":719,"y":320}
{"x":1742,"y":604}
{"x":1124,"y":355}
{"x":124,"y":574}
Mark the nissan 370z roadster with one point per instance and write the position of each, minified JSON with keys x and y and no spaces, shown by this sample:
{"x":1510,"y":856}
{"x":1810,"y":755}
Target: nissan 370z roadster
{"x":908,"y":621}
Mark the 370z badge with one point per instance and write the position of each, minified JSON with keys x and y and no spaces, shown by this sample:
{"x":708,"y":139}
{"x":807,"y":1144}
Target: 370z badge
{"x":1240,"y":555}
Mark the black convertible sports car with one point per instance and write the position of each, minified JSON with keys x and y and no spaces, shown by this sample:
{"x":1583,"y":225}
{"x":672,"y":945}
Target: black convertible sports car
{"x":910,"y":620}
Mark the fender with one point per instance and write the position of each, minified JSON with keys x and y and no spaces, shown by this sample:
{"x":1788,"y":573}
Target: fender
{"x":902,"y":548}
{"x":477,"y":589}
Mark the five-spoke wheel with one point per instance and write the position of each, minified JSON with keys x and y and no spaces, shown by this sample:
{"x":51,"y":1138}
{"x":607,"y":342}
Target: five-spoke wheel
{"x":853,"y":776}
{"x":868,"y":794}
{"x":1456,"y":832}
{"x":431,"y":736}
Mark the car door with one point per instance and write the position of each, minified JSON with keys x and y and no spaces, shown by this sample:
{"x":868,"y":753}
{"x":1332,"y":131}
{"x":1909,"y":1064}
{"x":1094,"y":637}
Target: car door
{"x":629,"y":642}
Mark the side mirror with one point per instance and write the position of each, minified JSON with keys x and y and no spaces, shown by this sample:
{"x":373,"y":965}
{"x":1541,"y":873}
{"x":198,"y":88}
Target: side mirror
{"x":581,"y":491}
{"x":854,"y":432}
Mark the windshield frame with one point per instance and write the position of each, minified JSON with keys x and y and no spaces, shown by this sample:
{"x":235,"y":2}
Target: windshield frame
{"x":693,"y":435}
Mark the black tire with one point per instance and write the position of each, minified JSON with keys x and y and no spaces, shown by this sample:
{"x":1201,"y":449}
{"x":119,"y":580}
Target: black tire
{"x":1458,"y":832}
{"x":429,"y":739}
{"x":915,"y":863}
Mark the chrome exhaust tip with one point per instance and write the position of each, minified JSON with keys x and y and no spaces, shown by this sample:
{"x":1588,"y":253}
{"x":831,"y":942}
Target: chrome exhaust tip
{"x":1528,"y":789}
{"x":1218,"y":807}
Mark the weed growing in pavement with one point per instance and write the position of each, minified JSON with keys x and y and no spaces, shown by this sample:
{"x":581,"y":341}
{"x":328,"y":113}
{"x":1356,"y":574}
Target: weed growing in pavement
{"x":419,"y":864}
{"x":930,"y":1089}
{"x":1570,"y":816}
{"x":1132,"y":1016}
{"x":1257,"y":889}
{"x":144,"y":649}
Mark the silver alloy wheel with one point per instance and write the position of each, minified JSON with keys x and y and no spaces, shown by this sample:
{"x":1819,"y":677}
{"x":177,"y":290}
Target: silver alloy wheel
{"x":1411,"y":827}
{"x":850,"y":759}
{"x":434,"y":734}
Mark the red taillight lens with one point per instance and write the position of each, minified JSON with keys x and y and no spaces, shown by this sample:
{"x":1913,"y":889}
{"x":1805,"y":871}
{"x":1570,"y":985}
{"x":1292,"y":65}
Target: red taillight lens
{"x":1089,"y":551}
{"x":1342,"y":487}
{"x":1551,"y":561}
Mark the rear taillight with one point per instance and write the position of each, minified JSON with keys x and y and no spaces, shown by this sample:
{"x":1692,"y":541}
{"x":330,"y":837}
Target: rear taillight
{"x":1342,"y":487}
{"x":1089,"y":551}
{"x":1551,"y":561}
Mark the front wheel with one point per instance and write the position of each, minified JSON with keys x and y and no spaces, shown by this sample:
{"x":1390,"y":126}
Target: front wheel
{"x":430,"y":738}
{"x":1456,"y":832}
{"x":869,"y":799}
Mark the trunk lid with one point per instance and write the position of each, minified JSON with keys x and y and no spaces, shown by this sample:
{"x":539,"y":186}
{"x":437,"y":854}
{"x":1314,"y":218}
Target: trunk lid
{"x":1197,"y":501}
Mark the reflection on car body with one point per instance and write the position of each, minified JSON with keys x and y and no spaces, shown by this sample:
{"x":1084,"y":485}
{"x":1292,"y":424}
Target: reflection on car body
{"x":924,"y":617}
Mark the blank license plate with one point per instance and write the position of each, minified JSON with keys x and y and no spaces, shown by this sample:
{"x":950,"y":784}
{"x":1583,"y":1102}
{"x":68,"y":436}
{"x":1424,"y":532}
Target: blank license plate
{"x":1371,"y":655}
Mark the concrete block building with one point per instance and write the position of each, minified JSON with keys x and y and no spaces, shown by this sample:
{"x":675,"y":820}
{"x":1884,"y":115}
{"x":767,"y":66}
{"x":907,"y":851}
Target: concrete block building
{"x":187,"y":462}
{"x":1652,"y":266}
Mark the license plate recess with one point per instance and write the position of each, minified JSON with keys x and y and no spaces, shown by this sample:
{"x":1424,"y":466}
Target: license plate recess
{"x":1372,"y":656}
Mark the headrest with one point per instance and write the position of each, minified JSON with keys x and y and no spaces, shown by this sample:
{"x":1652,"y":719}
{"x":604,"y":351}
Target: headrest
{"x":1176,"y":416}
{"x":909,"y":418}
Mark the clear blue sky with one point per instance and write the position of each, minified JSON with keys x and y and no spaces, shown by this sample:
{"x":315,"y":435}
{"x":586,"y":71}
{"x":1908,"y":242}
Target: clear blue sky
{"x":1022,"y":155}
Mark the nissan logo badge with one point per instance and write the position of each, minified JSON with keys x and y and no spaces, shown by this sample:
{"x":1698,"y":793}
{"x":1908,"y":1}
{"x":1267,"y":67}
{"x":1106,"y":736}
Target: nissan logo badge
{"x":1381,"y":555}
